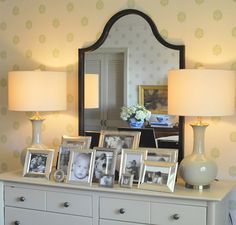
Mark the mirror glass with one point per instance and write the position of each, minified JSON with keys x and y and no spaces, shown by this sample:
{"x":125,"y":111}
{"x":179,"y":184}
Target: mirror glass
{"x":129,"y":58}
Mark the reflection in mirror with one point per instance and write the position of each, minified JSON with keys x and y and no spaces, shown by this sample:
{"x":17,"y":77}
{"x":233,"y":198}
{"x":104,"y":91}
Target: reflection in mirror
{"x":130,"y":54}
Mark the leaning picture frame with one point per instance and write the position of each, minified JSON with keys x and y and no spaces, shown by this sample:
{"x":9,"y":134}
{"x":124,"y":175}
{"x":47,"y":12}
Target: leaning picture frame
{"x":104,"y":163}
{"x":38,"y":162}
{"x":162,"y":154}
{"x":154,"y":98}
{"x":132,"y":163}
{"x":119,"y":139}
{"x":76,"y":141}
{"x":64,"y":151}
{"x":158,"y":176}
{"x":80,"y":167}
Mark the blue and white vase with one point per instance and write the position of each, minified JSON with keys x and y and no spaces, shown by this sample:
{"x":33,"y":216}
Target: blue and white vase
{"x":136,"y":124}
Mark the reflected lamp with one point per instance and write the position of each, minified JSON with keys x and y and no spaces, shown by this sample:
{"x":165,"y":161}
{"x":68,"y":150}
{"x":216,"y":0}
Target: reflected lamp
{"x":91,"y":91}
{"x":200,"y":93}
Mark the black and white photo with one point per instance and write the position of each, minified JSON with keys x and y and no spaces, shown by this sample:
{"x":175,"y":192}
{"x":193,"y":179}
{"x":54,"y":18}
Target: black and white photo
{"x":38,"y":162}
{"x":106,"y":180}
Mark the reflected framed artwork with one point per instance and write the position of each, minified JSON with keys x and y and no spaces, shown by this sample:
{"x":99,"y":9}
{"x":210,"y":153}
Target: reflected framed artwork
{"x":154,"y":98}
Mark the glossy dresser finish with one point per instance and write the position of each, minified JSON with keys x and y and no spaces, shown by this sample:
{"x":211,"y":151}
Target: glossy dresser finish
{"x":27,"y":201}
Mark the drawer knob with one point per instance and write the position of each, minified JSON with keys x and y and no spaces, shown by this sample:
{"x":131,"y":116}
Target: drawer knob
{"x":22,"y":199}
{"x":17,"y":222}
{"x":66,"y":204}
{"x":176,"y":216}
{"x":122,"y":211}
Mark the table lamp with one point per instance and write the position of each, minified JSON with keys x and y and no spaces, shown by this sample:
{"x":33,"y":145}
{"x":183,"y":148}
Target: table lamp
{"x":91,"y":89}
{"x":200,"y":92}
{"x":36,"y":91}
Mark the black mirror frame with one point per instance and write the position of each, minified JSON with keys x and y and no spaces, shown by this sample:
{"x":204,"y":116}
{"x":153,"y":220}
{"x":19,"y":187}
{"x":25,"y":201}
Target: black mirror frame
{"x":100,"y":41}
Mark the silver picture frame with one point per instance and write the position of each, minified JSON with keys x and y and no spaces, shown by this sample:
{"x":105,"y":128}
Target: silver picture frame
{"x":132,"y":162}
{"x":162,"y":154}
{"x":80,"y":167}
{"x":126,"y":180}
{"x":38,"y":162}
{"x":158,"y":176}
{"x":105,"y":162}
{"x":76,"y":141}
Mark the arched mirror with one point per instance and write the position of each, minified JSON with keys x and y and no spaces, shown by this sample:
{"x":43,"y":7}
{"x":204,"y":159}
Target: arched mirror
{"x":129,"y":57}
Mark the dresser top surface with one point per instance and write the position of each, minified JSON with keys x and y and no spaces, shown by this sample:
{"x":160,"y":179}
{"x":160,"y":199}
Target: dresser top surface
{"x":217,"y":191}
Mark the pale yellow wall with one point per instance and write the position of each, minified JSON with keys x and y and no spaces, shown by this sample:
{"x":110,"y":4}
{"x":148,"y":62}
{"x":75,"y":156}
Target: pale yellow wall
{"x":46,"y":34}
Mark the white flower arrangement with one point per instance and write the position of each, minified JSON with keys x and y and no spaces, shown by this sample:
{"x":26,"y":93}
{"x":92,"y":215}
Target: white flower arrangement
{"x":136,"y":112}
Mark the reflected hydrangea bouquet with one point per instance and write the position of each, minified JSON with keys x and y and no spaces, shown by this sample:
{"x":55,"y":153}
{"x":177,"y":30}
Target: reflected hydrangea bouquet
{"x":136,"y":112}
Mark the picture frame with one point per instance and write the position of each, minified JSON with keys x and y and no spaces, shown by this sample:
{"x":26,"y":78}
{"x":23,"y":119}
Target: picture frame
{"x":38,"y":162}
{"x":106,"y":180}
{"x":132,"y":162}
{"x":119,"y":139}
{"x":59,"y":176}
{"x":158,"y":176}
{"x":104,"y":163}
{"x":76,"y":141}
{"x":126,"y":180}
{"x":154,"y":98}
{"x":64,"y":156}
{"x":80,"y":167}
{"x":162,"y":154}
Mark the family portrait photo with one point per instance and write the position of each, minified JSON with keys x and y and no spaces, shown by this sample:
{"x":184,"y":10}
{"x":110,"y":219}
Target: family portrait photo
{"x":38,"y":162}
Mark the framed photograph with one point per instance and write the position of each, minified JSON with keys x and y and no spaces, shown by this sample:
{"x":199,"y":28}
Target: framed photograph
{"x":80,"y":167}
{"x":162,"y":154}
{"x":38,"y":162}
{"x":59,"y":175}
{"x":106,"y":180}
{"x":105,"y":162}
{"x":126,"y":180}
{"x":79,"y":141}
{"x":131,"y":163}
{"x":119,"y":139}
{"x":154,"y":98}
{"x":64,"y":156}
{"x":158,"y":176}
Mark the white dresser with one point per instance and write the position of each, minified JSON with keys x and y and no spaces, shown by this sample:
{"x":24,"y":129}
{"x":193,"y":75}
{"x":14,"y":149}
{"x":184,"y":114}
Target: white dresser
{"x":27,"y":201}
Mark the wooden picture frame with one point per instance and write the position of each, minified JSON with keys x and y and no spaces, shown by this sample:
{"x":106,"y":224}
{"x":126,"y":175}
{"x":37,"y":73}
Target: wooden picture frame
{"x":119,"y":139}
{"x":158,"y":176}
{"x":132,"y":162}
{"x":38,"y":162}
{"x":76,"y":141}
{"x":80,"y":168}
{"x":154,"y":98}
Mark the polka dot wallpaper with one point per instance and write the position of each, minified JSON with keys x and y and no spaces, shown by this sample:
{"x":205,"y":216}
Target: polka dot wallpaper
{"x":47,"y":34}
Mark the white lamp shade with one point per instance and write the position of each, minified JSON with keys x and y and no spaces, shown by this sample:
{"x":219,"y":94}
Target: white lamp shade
{"x":201,"y":92}
{"x":91,"y":91}
{"x":36,"y":91}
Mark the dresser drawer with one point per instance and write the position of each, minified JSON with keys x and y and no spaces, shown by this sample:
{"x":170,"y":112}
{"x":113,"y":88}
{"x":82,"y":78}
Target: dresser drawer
{"x":162,"y":214}
{"x":110,"y":222}
{"x":33,"y":217}
{"x":69,"y":203}
{"x":124,"y":210}
{"x":25,"y":198}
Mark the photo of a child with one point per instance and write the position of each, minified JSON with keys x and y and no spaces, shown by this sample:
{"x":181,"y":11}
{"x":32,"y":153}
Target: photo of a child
{"x":81,"y":165}
{"x":38,"y":163}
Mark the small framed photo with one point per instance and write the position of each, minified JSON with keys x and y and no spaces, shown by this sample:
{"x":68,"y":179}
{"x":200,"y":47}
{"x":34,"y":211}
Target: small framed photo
{"x":106,"y":180}
{"x":119,"y":139}
{"x":59,"y":176}
{"x":162,"y":154}
{"x":78,"y":141}
{"x":64,"y":156}
{"x":105,"y":162}
{"x":126,"y":180}
{"x":131,"y":163}
{"x":153,"y":98}
{"x":158,"y":176}
{"x":38,"y":162}
{"x":80,"y":168}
